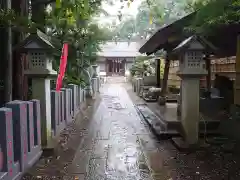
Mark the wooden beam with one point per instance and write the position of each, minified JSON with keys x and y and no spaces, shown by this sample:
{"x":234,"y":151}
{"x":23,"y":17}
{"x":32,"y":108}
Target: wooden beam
{"x":209,"y":75}
{"x":158,"y":71}
{"x":237,"y":81}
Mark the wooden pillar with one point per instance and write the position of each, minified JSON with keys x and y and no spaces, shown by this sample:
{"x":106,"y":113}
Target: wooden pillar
{"x":106,"y":66}
{"x":158,"y":70}
{"x":119,"y":65}
{"x":114,"y":66}
{"x":8,"y":59}
{"x":237,"y":81}
{"x":209,"y":75}
{"x":165,"y":75}
{"x":38,"y":15}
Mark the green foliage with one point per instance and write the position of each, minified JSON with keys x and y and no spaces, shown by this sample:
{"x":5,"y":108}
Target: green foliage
{"x":72,"y":23}
{"x":143,"y":66}
{"x":17,"y":22}
{"x":159,"y":12}
{"x":212,"y":14}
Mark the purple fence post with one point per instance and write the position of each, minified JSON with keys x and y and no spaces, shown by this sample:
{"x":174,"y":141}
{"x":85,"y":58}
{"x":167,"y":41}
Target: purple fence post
{"x":36,"y":122}
{"x":54,"y":111}
{"x":70,"y":102}
{"x":30,"y":130}
{"x":83,"y":95}
{"x":62,"y":105}
{"x":19,"y":114}
{"x":62,"y":124}
{"x":34,"y":152}
{"x":10,"y":167}
{"x":77,"y":97}
{"x":67,"y":115}
{"x":59,"y":107}
{"x":74,"y":98}
{"x":80,"y":95}
{"x":65,"y":106}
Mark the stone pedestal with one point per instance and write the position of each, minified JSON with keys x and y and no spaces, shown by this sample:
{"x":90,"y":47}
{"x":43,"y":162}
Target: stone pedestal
{"x":94,"y":86}
{"x":41,"y":91}
{"x":190,"y":109}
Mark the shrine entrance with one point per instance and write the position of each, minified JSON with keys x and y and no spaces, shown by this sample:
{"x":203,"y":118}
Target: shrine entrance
{"x":115,"y":67}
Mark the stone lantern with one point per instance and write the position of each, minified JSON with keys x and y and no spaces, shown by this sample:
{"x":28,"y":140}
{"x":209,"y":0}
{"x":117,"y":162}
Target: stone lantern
{"x":191,"y":69}
{"x":95,"y":79}
{"x":39,"y":52}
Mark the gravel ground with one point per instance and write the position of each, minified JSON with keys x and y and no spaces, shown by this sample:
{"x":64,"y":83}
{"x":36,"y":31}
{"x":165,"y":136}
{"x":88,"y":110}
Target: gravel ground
{"x":216,"y":162}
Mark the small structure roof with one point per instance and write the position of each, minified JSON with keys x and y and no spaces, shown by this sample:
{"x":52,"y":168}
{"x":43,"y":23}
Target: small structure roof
{"x":170,"y":36}
{"x":42,"y":40}
{"x":204,"y":44}
{"x":119,"y":49}
{"x":167,"y":35}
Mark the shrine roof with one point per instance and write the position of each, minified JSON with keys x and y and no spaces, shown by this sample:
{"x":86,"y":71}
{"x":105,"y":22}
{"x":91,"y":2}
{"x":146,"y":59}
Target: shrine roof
{"x":119,"y":49}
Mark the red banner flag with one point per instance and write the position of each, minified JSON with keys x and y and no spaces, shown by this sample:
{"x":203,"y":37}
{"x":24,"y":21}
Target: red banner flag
{"x":63,"y":64}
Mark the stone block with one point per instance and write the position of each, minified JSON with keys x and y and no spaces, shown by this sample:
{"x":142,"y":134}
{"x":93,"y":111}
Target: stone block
{"x":19,"y":119}
{"x":10,"y":168}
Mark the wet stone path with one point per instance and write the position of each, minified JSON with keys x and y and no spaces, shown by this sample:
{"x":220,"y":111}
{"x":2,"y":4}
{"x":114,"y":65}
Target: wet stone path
{"x":113,"y":143}
{"x":118,"y":143}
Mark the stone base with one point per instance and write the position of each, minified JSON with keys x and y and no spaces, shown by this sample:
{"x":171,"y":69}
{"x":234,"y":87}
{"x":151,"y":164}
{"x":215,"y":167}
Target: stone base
{"x":34,"y":155}
{"x":162,"y":101}
{"x":183,"y":146}
{"x":48,"y":151}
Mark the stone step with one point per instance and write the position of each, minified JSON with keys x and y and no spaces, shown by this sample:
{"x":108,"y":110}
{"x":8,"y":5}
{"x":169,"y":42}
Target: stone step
{"x":156,"y":125}
{"x":150,"y":116}
{"x":167,"y":129}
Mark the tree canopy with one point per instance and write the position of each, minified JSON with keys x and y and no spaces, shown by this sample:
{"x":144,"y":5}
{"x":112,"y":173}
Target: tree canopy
{"x":72,"y":22}
{"x":152,"y":14}
{"x":211,"y":14}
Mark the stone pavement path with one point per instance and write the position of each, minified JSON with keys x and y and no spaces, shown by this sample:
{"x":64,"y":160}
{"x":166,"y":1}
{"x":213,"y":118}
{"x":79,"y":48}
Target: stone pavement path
{"x":117,"y":143}
{"x":113,"y":143}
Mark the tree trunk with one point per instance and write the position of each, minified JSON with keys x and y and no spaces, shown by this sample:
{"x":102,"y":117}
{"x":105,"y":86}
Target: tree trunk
{"x":38,"y":15}
{"x":165,"y":76}
{"x":8,"y":60}
{"x":158,"y":72}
